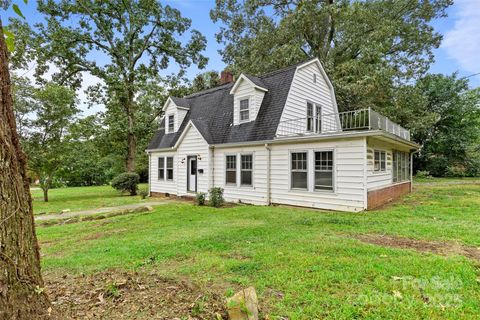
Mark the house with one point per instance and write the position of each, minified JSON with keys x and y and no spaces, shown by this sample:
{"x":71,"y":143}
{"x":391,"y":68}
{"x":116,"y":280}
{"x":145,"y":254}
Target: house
{"x":279,"y":139}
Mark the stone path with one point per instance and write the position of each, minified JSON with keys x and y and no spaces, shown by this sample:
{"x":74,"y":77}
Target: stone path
{"x":89,"y":212}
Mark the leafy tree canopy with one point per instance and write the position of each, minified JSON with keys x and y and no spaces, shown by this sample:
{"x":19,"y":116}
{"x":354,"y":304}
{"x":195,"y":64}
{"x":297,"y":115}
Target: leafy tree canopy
{"x":124,"y":43}
{"x":367,"y":47}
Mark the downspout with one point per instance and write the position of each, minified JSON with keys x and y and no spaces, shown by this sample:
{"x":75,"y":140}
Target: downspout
{"x":149,"y":174}
{"x":411,"y":169}
{"x":269,"y":159}
{"x":365,"y":174}
{"x":212,"y":164}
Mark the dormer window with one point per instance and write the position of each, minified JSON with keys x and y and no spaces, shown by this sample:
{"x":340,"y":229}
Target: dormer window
{"x":244,"y":110}
{"x":171,"y":123}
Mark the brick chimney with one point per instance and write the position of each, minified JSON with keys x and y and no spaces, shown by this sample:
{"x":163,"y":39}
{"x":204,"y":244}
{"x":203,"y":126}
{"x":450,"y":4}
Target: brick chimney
{"x":226,"y":77}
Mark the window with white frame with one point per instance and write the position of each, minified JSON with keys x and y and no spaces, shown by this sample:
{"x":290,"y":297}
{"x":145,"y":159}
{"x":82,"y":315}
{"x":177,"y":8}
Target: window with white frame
{"x":171,"y":123}
{"x":314,"y":117}
{"x":169,"y":168}
{"x":244,"y":110}
{"x":161,"y":168}
{"x":246,"y":169}
{"x":380,"y":161}
{"x":231,"y":169}
{"x":324,"y":170}
{"x":299,"y":170}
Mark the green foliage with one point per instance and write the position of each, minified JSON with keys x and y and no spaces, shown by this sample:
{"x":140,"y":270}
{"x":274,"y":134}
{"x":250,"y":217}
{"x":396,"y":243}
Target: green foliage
{"x":143,"y":193}
{"x":139,"y":40}
{"x":200,"y":198}
{"x":126,"y":182}
{"x":451,"y":130}
{"x":216,"y":197}
{"x":423,"y":174}
{"x":366,"y":47}
{"x":45,"y":140}
{"x":112,"y":290}
{"x":206,"y":80}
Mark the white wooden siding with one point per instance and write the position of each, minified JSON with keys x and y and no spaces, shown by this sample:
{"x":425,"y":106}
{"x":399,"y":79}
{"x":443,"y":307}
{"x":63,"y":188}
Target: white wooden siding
{"x":376,"y":179}
{"x":246,"y":90}
{"x":193,"y":144}
{"x":348,"y":176}
{"x":179,"y":115}
{"x":303,"y":89}
{"x":163,"y":186}
{"x":257,"y":193}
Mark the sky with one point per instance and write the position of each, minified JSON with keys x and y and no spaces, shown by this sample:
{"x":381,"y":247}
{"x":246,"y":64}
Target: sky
{"x":459,"y":51}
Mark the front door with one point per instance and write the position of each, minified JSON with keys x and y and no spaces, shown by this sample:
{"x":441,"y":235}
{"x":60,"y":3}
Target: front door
{"x":192,"y":174}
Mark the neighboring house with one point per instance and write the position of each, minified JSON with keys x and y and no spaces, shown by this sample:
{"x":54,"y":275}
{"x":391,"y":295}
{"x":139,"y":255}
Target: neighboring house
{"x":279,"y":139}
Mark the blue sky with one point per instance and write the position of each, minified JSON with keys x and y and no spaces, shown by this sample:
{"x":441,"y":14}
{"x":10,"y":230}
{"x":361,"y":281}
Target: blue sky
{"x":460,"y":49}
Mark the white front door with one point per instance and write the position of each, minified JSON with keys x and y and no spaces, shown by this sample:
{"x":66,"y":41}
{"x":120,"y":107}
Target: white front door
{"x":192,"y":174}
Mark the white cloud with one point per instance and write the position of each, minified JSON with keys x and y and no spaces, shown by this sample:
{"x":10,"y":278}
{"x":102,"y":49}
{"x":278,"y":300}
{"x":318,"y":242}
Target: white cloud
{"x":462,"y":42}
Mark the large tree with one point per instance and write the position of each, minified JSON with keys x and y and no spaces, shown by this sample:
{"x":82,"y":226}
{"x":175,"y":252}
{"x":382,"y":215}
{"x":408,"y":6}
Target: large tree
{"x":123,"y":43}
{"x":21,"y":286}
{"x":450,"y":137}
{"x":46,"y":143}
{"x":368,"y":47}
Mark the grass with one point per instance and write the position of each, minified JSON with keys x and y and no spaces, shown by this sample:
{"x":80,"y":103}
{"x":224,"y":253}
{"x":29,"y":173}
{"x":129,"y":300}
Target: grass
{"x":304,"y":263}
{"x":80,"y":198}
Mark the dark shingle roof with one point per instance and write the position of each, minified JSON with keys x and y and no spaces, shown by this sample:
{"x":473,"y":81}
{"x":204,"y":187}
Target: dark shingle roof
{"x":211,"y":111}
{"x":181,"y":102}
{"x":257,"y":81}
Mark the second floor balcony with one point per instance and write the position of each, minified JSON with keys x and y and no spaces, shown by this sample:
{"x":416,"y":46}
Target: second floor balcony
{"x":358,"y":120}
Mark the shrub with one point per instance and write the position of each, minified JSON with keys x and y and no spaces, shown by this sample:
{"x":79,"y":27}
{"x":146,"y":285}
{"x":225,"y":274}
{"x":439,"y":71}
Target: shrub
{"x":126,"y":182}
{"x":200,"y":198}
{"x":216,"y":197}
{"x":143,"y":193}
{"x":456,"y":171}
{"x":424,"y":174}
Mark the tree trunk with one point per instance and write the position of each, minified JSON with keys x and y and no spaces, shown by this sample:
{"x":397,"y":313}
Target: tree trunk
{"x":131,"y":137}
{"x":21,"y":284}
{"x":45,"y":195}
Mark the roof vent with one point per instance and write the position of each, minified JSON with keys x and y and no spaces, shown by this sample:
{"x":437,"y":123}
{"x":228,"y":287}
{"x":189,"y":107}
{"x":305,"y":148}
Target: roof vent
{"x":226,"y":77}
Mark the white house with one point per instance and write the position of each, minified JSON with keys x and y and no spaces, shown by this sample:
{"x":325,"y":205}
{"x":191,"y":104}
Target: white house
{"x":279,"y":139}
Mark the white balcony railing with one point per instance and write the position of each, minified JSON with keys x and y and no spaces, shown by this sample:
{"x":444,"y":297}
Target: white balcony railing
{"x":358,"y":120}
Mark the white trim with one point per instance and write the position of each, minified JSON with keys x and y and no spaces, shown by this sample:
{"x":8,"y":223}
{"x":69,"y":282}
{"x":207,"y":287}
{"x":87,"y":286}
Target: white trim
{"x":290,"y":188}
{"x":248,"y":98}
{"x":243,"y":77}
{"x":334,"y":170}
{"x":252,"y":153}
{"x":310,"y":138}
{"x":236,"y":169}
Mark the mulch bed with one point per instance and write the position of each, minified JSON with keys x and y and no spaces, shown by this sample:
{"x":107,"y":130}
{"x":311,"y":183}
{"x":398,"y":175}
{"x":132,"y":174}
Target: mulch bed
{"x":441,"y":248}
{"x":131,"y":295}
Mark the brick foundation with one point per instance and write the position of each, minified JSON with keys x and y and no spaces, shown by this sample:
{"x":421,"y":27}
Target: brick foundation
{"x":379,"y":197}
{"x":170,"y":196}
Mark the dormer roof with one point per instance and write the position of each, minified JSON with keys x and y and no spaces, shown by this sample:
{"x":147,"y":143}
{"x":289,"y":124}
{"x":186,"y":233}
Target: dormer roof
{"x":254,"y":81}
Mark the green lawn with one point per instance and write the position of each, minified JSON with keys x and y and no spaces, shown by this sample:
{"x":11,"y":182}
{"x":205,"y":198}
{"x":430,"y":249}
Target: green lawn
{"x":80,"y":198}
{"x":305,"y":264}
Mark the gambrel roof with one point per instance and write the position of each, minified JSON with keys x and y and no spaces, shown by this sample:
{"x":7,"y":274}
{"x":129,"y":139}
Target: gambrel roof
{"x":211,"y":111}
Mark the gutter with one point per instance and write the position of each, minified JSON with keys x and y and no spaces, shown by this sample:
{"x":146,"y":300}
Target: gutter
{"x":318,"y":137}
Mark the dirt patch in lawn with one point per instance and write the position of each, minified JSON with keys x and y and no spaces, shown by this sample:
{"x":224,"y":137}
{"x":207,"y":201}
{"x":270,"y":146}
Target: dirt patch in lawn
{"x":441,"y":248}
{"x":131,"y":295}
